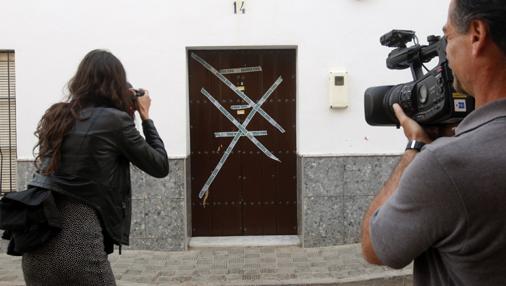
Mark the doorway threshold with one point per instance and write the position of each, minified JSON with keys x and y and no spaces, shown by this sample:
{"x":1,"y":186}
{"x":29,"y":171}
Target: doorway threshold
{"x":244,"y":241}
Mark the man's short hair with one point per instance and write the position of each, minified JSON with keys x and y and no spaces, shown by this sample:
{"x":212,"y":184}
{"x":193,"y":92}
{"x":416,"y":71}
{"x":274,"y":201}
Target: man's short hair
{"x":492,"y":12}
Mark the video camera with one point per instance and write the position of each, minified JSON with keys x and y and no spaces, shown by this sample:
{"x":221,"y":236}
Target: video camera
{"x":430,"y":98}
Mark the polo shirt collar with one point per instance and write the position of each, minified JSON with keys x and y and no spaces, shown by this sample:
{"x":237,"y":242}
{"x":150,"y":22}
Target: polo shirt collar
{"x":482,"y":116}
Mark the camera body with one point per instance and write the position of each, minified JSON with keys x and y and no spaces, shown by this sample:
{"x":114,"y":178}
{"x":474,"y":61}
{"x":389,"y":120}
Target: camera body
{"x":135,"y":94}
{"x":430,"y":98}
{"x":138,"y":92}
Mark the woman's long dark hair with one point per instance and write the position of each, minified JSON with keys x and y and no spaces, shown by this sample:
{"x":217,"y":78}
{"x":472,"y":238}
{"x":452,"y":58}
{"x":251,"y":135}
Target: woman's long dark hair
{"x":100,"y":80}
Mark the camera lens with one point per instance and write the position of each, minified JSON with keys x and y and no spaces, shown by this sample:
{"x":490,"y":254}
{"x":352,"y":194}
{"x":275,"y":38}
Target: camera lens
{"x":374,"y":102}
{"x":423,"y":94}
{"x":139,"y":92}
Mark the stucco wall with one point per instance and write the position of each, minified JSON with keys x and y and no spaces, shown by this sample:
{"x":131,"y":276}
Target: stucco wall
{"x":151,"y":37}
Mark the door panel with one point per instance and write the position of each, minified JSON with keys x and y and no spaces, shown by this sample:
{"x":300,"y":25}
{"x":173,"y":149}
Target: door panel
{"x":251,"y":194}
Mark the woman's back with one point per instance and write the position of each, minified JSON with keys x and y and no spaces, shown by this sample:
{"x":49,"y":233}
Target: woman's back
{"x":86,"y":144}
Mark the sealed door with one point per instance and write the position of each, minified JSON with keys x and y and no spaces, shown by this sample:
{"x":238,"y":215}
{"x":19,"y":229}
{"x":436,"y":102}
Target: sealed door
{"x":242,"y":137}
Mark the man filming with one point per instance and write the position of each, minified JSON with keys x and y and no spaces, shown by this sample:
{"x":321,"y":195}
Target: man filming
{"x":444,"y":206}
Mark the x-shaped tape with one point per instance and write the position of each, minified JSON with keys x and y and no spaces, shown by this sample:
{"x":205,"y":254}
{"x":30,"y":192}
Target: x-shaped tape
{"x":256,"y":107}
{"x":236,"y":90}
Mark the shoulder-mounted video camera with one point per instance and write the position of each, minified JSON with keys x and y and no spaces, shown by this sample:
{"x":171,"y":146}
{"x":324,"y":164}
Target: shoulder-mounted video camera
{"x":430,"y":98}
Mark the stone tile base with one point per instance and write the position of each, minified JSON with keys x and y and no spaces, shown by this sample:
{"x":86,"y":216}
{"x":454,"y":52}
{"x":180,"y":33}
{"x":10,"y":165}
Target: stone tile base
{"x":158,"y":207}
{"x":333,"y":194}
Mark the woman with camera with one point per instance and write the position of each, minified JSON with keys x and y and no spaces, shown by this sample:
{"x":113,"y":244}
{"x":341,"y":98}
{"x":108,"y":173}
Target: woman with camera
{"x":86,"y":144}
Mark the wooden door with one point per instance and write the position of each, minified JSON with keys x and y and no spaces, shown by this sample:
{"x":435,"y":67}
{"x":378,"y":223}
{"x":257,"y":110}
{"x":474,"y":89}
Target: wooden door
{"x":242,"y":136}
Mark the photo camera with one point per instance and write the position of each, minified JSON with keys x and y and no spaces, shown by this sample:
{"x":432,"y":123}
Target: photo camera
{"x":430,"y":98}
{"x":136,"y":92}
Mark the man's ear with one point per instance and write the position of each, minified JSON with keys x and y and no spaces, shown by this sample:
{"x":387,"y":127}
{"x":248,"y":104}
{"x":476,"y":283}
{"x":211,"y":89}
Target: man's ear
{"x":479,"y":33}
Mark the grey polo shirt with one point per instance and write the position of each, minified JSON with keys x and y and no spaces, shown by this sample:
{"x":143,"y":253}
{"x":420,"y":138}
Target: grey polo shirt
{"x":449,"y":211}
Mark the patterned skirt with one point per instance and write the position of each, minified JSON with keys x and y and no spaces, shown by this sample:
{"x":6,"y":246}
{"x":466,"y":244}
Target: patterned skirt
{"x":75,"y":256}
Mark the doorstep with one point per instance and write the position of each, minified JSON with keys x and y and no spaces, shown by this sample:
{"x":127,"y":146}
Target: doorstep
{"x":243,"y":241}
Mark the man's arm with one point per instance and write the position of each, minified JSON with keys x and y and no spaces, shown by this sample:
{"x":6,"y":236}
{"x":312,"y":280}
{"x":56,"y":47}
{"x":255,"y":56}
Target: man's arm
{"x":385,"y":193}
{"x":413,"y":131}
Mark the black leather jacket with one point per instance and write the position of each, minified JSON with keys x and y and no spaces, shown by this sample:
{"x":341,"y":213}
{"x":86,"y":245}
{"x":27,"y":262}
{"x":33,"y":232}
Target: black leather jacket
{"x":95,"y":165}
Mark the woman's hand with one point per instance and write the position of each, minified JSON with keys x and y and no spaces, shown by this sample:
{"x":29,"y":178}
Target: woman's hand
{"x":143,"y":105}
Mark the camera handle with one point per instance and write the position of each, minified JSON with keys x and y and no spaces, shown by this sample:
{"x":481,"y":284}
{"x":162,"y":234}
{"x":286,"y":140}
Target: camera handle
{"x":416,"y":69}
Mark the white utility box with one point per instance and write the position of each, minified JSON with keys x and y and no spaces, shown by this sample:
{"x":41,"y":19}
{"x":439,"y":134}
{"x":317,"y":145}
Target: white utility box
{"x":338,"y":89}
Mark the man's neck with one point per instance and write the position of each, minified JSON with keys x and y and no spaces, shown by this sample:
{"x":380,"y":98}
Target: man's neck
{"x":491,"y":84}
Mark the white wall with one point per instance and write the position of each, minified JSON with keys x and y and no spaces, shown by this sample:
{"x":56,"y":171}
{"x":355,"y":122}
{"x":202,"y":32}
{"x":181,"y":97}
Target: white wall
{"x":151,"y":36}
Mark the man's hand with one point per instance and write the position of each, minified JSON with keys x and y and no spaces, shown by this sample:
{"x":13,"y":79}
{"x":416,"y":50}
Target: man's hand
{"x":412,"y":129}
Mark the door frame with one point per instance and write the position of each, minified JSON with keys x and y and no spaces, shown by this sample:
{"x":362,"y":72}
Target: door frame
{"x":188,"y":147}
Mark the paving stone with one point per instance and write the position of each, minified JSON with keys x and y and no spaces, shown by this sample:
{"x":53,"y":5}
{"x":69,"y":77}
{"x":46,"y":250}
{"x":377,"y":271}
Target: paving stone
{"x":219,"y":266}
{"x":186,"y":267}
{"x":252,"y":255}
{"x":219,"y":271}
{"x":8,"y":277}
{"x":165,"y":278}
{"x":340,"y":265}
{"x":232,"y":277}
{"x":267,"y":270}
{"x":236,"y":271}
{"x":300,"y":259}
{"x":236,"y":261}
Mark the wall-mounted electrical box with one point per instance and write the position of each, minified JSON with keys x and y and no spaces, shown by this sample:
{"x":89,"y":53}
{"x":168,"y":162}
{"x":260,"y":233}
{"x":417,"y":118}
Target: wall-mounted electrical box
{"x":338,"y":89}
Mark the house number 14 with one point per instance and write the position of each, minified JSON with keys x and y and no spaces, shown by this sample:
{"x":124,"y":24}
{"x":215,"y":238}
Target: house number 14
{"x":239,"y":7}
